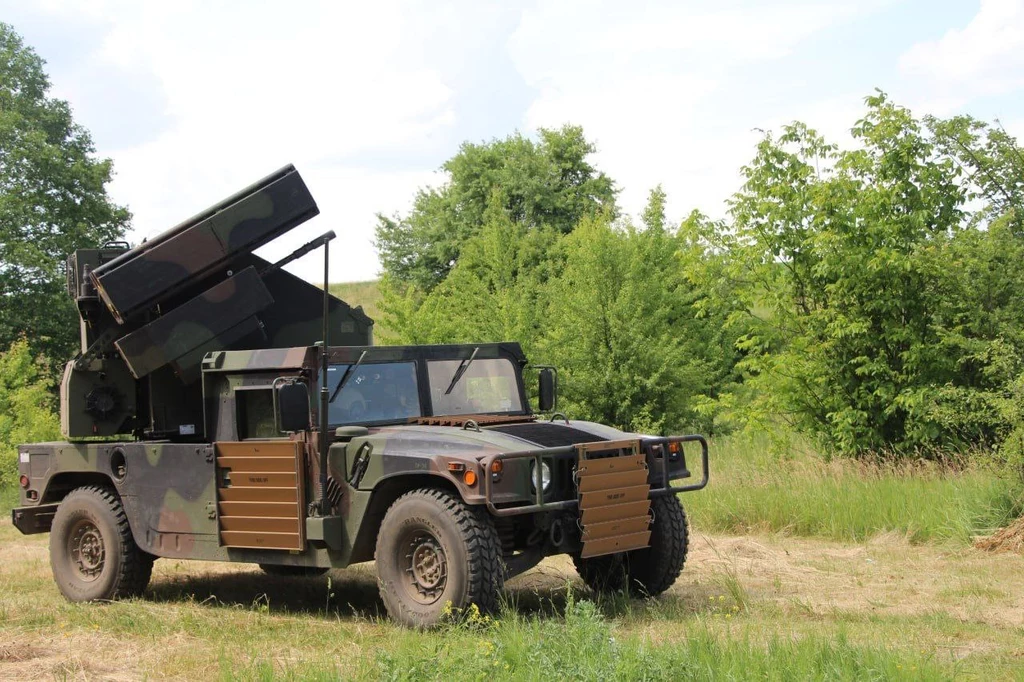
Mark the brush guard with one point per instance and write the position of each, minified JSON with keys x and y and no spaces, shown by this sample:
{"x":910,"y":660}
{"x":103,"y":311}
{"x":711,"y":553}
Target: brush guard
{"x":614,"y":481}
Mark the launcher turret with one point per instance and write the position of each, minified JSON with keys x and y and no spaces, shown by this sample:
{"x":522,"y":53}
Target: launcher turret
{"x":150,"y":313}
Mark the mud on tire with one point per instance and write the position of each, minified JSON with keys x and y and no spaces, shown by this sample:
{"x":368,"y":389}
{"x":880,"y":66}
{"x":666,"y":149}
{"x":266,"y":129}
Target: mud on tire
{"x":649,"y":571}
{"x":92,"y":552}
{"x":434,"y":550}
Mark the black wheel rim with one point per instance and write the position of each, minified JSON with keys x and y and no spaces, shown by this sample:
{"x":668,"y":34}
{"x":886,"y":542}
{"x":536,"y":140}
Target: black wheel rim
{"x":424,"y":566}
{"x":86,"y":550}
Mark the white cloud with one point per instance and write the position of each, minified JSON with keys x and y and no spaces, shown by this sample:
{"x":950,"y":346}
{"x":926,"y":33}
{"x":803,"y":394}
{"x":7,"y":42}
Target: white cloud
{"x":194,"y":100}
{"x":646,"y":85}
{"x":986,"y":57}
{"x":250,"y":88}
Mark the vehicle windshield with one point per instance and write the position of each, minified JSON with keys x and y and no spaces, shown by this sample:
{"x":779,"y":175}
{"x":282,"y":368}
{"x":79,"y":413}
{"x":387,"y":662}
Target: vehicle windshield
{"x":373,"y":393}
{"x":486,"y":386}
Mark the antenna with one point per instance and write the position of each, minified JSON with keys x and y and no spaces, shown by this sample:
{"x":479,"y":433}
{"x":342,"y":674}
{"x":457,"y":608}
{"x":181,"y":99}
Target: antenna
{"x":324,"y":392}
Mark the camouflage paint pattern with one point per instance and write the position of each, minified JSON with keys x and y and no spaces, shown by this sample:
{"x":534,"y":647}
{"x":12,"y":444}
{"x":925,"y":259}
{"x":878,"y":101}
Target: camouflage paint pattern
{"x":170,"y":490}
{"x":151,"y":313}
{"x":184,"y":338}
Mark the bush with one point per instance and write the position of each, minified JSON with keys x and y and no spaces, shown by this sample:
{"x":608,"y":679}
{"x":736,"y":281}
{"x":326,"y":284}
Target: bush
{"x":26,"y":406}
{"x":894,"y":322}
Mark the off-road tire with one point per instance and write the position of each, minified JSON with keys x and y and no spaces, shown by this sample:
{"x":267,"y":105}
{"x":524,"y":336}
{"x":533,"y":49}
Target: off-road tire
{"x":470,"y":552}
{"x":93,"y":516}
{"x":644,"y":572}
{"x":280,"y":571}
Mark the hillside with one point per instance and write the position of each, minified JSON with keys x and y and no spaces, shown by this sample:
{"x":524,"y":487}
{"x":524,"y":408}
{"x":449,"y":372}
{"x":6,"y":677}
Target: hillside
{"x":365,"y":294}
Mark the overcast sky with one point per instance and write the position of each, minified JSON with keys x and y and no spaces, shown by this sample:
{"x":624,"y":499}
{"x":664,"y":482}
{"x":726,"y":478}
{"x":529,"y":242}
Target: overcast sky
{"x":194,"y":100}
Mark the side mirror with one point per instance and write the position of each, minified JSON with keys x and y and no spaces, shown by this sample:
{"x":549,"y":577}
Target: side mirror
{"x":292,"y":406}
{"x":548,"y":389}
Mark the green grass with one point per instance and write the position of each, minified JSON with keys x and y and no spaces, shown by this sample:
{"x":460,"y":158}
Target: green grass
{"x":770,"y":608}
{"x":753,"y":490}
{"x":8,"y":499}
{"x":365,"y":294}
{"x":584,"y":644}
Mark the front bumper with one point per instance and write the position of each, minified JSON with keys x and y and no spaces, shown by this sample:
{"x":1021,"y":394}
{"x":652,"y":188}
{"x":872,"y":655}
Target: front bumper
{"x":661,"y":471}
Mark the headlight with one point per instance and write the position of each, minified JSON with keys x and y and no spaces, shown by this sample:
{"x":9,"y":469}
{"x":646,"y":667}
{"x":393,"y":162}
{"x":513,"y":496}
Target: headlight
{"x":545,"y":476}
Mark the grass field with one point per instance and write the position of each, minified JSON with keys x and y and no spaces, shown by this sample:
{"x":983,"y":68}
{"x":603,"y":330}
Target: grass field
{"x":755,"y":490}
{"x":887,"y":590}
{"x":365,"y":294}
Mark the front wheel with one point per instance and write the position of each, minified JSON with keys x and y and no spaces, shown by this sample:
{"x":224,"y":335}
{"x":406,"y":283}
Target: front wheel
{"x":434,"y":550}
{"x":92,"y":552}
{"x":648,"y":571}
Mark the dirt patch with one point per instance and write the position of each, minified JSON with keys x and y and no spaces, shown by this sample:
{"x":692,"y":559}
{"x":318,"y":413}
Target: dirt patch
{"x":70,"y":656}
{"x":1009,"y":539}
{"x":885,"y":576}
{"x":11,"y":653}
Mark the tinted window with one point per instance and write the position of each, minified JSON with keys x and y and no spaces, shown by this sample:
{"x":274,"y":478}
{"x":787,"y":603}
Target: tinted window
{"x":486,"y":386}
{"x":374,"y":393}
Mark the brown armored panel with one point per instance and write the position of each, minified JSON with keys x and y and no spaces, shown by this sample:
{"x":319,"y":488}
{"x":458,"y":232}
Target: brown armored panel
{"x":195,"y":323}
{"x":606,"y":465}
{"x":600,"y":498}
{"x":257,"y":524}
{"x":624,"y":479}
{"x":255,"y":448}
{"x":277,"y":510}
{"x":255,"y":467}
{"x":260,"y":504}
{"x":614,"y":496}
{"x":240,"y":494}
{"x":610,"y":529}
{"x":260,"y":539}
{"x":183,"y":255}
{"x":249,"y":478}
{"x":611,"y":512}
{"x":619,"y":543}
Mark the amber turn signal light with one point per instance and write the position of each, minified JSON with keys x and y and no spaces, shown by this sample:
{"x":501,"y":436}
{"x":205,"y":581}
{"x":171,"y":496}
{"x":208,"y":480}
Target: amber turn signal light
{"x":469,"y":478}
{"x":497,"y":466}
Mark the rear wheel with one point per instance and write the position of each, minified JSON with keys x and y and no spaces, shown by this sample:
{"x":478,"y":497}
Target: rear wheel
{"x":434,"y":550}
{"x":280,"y":571}
{"x":649,"y":571}
{"x":92,"y":552}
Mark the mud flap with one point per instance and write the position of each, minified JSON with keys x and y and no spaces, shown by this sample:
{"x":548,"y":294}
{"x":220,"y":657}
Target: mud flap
{"x":612,"y":482}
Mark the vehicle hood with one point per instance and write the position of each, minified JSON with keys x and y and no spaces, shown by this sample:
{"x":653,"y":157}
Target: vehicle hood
{"x":454,"y":441}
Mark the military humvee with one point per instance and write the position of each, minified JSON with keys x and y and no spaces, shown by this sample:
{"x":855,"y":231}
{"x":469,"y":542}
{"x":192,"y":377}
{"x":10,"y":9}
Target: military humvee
{"x":194,"y":432}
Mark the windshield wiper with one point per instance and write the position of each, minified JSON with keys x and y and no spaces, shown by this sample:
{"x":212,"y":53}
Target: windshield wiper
{"x":463,"y":366}
{"x":346,"y":375}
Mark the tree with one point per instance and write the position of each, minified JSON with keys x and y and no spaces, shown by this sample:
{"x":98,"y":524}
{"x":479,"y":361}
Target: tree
{"x":53,"y":200}
{"x":493,"y":293}
{"x":638,"y":324}
{"x":26,"y":406}
{"x":546,"y":184}
{"x":891,"y":324}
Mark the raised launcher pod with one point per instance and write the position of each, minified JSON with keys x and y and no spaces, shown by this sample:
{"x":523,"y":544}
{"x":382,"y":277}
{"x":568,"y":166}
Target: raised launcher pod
{"x":150,"y":314}
{"x":245,"y":221}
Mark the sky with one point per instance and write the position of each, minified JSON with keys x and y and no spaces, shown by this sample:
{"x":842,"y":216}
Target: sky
{"x":194,"y":100}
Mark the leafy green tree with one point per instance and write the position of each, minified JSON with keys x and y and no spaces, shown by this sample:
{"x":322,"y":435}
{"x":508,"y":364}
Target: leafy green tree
{"x":548,"y":184}
{"x":492,"y":294}
{"x":26,"y":406}
{"x":53,"y":200}
{"x":711,"y":316}
{"x":887,"y":325}
{"x":637,"y":340}
{"x":993,"y":164}
{"x":624,"y":314}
